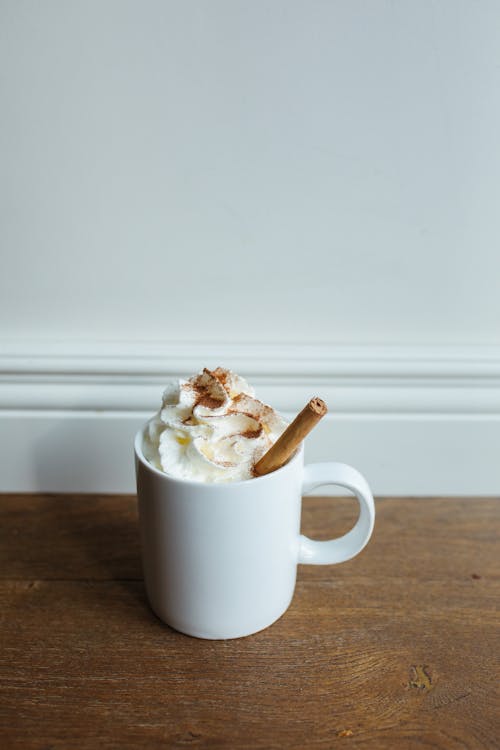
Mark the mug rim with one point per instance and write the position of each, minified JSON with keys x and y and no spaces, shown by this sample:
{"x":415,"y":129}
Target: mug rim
{"x":139,"y":453}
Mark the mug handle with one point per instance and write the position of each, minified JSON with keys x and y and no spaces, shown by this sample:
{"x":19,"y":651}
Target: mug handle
{"x":314,"y":552}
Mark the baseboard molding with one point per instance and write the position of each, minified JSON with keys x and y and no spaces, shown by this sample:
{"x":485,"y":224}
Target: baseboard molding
{"x":414,"y":420}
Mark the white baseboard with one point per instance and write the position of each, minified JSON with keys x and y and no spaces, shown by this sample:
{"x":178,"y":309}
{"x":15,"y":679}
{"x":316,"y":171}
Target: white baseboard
{"x":414,"y":420}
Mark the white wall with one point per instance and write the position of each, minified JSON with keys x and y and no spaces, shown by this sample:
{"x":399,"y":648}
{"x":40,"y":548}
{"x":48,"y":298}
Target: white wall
{"x":187,"y":169}
{"x":286,"y":171}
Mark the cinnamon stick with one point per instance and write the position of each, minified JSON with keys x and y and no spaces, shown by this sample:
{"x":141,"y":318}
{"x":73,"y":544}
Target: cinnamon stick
{"x":279,"y":453}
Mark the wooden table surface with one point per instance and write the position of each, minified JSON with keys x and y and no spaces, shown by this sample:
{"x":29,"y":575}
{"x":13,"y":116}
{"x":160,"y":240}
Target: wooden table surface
{"x":398,"y":648}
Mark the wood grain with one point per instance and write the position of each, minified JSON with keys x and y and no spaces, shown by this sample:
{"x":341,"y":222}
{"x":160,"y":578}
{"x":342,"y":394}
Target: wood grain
{"x":398,"y":648}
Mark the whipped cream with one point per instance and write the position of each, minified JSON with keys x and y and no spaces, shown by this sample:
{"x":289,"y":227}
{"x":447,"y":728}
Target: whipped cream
{"x":211,"y":428}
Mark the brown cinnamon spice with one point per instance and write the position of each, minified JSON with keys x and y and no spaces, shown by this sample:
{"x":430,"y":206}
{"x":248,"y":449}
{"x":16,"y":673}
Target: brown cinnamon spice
{"x":288,"y":442}
{"x":204,"y":399}
{"x":221,"y":374}
{"x":252,"y":434}
{"x":205,"y":391}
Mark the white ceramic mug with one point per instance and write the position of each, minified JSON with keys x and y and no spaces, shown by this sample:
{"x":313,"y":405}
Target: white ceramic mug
{"x":220,"y":560}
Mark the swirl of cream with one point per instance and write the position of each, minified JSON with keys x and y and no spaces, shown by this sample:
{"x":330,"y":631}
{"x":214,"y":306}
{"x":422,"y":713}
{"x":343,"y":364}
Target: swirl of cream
{"x":211,"y":428}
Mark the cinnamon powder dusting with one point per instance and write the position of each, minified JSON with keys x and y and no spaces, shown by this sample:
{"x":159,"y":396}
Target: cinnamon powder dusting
{"x":205,"y":399}
{"x":205,"y":395}
{"x":251,"y":434}
{"x":222,"y":376}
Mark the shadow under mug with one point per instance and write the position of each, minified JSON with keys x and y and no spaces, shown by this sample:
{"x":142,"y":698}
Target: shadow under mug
{"x":220,"y":559}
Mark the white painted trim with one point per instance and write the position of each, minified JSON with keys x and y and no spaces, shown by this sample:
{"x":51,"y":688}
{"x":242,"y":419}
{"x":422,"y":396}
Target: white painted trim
{"x":87,"y":452}
{"x":365,"y":379}
{"x":286,"y":360}
{"x":415,"y":420}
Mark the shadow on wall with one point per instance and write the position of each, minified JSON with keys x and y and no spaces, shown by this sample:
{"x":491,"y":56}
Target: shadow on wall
{"x":86,"y":454}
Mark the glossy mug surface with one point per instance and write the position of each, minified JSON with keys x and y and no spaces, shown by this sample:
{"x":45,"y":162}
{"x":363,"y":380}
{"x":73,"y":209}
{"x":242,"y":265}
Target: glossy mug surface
{"x":220,"y":559}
